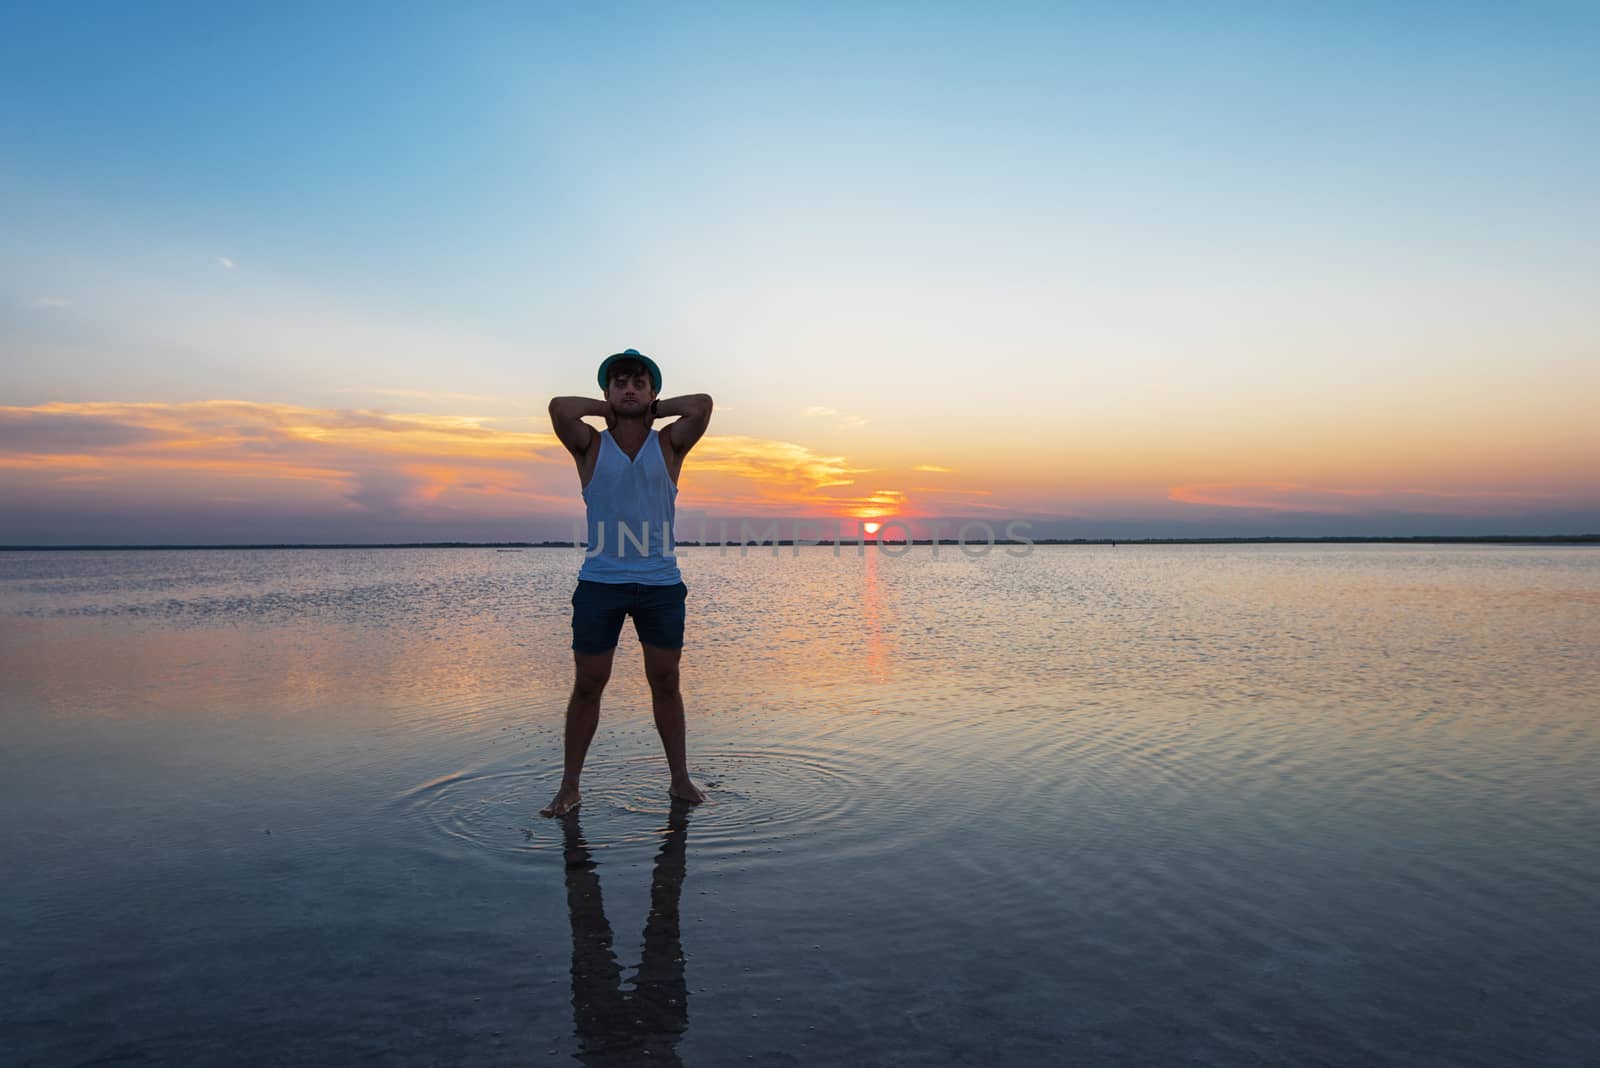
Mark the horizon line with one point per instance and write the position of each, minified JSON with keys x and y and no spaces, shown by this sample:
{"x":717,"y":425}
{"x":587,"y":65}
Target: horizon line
{"x":1346,"y":539}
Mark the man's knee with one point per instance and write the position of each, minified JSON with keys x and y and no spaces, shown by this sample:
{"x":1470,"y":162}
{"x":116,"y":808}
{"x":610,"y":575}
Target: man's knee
{"x":663,"y":680}
{"x":591,"y":675}
{"x":590,"y":686}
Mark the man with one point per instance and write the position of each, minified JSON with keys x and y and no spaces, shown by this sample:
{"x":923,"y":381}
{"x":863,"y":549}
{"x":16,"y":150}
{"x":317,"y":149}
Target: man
{"x":629,"y":473}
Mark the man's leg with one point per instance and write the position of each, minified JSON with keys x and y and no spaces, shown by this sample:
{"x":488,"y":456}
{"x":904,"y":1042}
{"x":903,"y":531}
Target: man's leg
{"x":666,"y":701}
{"x":583,"y":716}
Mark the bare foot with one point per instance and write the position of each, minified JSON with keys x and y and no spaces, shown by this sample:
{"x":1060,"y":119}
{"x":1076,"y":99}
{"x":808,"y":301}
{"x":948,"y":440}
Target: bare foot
{"x":566,"y":799}
{"x":684,"y":790}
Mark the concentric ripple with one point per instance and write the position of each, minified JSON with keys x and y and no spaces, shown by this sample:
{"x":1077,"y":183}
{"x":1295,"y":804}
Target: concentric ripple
{"x":769,"y":805}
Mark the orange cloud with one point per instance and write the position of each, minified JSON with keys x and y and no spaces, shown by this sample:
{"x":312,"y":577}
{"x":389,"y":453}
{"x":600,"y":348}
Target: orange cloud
{"x":211,"y":449}
{"x":368,"y":461}
{"x":739,"y":475}
{"x":252,"y":462}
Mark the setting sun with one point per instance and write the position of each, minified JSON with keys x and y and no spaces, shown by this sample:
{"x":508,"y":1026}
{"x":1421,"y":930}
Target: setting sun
{"x":870,"y":528}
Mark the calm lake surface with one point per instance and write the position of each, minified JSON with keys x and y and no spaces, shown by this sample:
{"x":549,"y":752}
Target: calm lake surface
{"x":1217,"y":805}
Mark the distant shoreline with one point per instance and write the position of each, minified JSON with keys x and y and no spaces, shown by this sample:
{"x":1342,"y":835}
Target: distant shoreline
{"x":1444,"y":539}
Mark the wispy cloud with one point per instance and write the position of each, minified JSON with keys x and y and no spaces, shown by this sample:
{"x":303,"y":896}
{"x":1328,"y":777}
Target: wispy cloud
{"x":360,"y":459}
{"x":841,"y":419}
{"x":223,"y":261}
{"x":51,"y":302}
{"x":932,"y":469}
{"x":254,"y":456}
{"x":59,"y":430}
{"x":879,"y":503}
{"x":246,"y":460}
{"x":763,"y":475}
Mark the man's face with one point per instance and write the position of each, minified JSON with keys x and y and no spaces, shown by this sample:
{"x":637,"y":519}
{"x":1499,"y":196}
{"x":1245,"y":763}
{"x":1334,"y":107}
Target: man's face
{"x":630,"y":392}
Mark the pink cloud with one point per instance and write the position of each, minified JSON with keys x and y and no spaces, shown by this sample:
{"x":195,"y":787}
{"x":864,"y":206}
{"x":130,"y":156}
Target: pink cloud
{"x":1297,"y":497}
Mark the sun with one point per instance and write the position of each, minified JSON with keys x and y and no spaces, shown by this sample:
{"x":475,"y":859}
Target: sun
{"x":871,"y":528}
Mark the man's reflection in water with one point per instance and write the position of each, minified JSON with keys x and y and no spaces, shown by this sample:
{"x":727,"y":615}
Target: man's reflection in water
{"x":642,"y":1025}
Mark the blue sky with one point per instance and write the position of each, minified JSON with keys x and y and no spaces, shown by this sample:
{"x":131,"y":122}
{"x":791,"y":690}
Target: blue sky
{"x":953,"y":225}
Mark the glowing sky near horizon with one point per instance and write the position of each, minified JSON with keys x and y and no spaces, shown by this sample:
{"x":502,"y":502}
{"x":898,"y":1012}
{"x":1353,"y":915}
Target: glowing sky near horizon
{"x":306,"y":273}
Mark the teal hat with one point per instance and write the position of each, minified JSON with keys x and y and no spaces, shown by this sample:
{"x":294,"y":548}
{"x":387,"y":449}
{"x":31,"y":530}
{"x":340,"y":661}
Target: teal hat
{"x":630,"y":354}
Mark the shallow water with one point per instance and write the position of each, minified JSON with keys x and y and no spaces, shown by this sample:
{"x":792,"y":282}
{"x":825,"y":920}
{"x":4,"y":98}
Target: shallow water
{"x":1219,"y":805}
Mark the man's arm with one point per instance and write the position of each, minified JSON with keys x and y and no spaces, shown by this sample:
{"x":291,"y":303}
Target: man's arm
{"x":566,"y":414}
{"x":694,"y":412}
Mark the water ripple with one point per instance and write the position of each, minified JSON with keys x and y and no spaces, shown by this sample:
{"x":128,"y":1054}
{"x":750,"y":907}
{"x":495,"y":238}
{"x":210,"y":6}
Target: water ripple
{"x":761,"y":804}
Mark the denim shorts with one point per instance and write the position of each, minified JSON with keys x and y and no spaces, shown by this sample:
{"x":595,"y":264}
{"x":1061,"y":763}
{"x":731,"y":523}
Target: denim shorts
{"x":598,"y":609}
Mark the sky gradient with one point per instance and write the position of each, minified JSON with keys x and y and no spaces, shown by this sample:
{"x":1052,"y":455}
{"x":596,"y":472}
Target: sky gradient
{"x":296,"y":274}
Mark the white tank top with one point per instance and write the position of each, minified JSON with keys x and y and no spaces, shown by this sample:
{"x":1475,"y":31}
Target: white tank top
{"x":630,"y":503}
